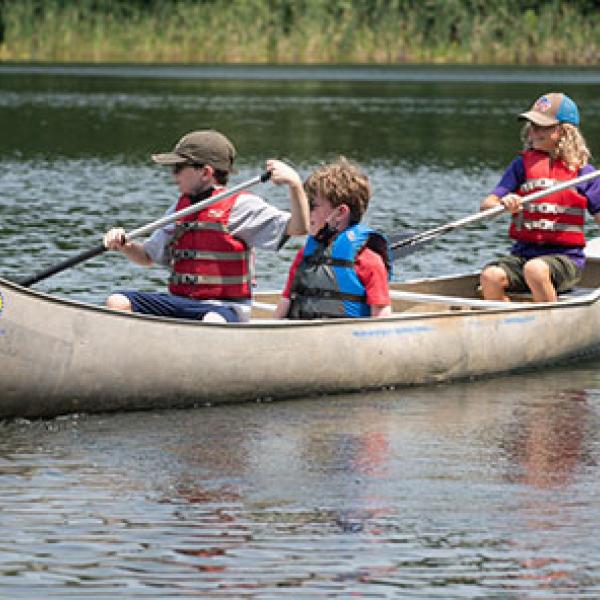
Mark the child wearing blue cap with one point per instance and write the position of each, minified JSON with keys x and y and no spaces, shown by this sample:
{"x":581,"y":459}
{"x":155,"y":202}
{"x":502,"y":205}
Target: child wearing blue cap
{"x":547,"y":256}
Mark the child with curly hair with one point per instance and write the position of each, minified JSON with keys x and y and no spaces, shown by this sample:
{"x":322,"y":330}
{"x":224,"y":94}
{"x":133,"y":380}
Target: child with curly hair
{"x":344,"y":267}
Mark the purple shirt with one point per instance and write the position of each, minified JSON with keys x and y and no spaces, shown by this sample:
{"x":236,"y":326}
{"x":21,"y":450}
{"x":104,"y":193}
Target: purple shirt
{"x":510,"y":182}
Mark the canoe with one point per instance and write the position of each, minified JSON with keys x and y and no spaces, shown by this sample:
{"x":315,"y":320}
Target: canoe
{"x":61,"y":356}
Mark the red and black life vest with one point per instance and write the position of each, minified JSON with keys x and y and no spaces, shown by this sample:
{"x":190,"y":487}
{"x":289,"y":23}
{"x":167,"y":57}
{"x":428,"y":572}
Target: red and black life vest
{"x":207,"y":262}
{"x":557,"y":219}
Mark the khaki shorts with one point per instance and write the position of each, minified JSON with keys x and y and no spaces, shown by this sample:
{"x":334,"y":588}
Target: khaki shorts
{"x":564,"y":273}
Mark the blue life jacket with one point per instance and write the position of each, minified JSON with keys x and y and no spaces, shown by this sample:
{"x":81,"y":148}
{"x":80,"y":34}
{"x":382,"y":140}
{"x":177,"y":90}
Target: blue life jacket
{"x":326,"y":284}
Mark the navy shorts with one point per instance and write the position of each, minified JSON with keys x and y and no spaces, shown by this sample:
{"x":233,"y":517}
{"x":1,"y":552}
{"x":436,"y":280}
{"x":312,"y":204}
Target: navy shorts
{"x":179,"y":307}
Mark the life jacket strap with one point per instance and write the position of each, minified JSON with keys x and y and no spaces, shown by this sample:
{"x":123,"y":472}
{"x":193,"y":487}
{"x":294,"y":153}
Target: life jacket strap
{"x":200,"y":226}
{"x":187,"y":279}
{"x":546,"y":225}
{"x":542,"y":183}
{"x":549,"y":208}
{"x":315,"y":259}
{"x":327,"y":294}
{"x":205,"y":255}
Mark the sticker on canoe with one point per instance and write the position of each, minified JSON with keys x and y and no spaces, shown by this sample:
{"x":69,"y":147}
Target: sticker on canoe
{"x":385,"y":332}
{"x":1,"y":303}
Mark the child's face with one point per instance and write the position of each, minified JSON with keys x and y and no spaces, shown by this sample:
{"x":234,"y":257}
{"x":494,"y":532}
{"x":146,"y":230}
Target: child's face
{"x":544,"y":139}
{"x":191,"y":180}
{"x":320,"y":211}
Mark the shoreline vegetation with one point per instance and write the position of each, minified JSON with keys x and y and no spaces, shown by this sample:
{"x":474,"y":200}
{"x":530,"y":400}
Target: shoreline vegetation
{"x":379,"y":32}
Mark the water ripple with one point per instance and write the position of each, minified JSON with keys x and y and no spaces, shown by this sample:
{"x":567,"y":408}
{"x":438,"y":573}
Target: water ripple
{"x":482,"y":489}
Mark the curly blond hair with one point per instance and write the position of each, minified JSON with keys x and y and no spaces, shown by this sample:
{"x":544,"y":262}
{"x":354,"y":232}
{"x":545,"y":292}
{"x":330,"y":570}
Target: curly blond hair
{"x":341,"y":182}
{"x":571,"y":148}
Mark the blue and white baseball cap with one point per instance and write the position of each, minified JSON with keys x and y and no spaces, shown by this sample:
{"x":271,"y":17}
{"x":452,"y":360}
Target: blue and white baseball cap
{"x":552,"y":109}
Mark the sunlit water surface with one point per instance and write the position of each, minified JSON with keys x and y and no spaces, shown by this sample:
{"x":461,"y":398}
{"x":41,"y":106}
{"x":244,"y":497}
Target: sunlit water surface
{"x":470,"y":490}
{"x":486,"y":489}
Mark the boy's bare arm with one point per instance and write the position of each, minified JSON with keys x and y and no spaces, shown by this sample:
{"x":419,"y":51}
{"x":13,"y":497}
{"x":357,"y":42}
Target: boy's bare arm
{"x":283,"y":174}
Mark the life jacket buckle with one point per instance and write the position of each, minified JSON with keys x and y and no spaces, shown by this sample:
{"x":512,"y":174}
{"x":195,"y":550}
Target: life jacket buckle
{"x":548,"y":209}
{"x":542,"y":224}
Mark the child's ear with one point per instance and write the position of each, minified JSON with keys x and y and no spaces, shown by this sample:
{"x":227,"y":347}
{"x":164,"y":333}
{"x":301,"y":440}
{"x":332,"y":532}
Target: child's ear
{"x":344,"y":209}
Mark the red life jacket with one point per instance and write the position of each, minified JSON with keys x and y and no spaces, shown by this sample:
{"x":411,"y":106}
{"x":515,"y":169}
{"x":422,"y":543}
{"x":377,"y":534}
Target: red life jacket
{"x":557,"y":219}
{"x":207,"y":262}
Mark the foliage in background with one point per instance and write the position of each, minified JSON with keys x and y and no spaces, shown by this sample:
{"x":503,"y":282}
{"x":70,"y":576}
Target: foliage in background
{"x":302,"y":31}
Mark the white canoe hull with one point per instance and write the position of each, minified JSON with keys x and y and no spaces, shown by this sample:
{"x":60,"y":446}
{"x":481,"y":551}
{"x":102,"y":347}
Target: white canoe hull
{"x":59,"y":356}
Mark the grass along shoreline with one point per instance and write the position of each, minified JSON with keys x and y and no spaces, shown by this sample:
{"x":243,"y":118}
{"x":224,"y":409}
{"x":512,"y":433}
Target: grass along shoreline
{"x":302,"y":32}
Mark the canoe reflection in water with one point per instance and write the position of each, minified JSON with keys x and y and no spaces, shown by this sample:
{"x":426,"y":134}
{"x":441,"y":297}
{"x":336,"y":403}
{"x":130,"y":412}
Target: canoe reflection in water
{"x":547,"y":450}
{"x":547,"y":446}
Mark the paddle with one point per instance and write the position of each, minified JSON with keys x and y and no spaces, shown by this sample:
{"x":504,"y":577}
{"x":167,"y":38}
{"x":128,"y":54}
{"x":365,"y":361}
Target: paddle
{"x":411,"y":243}
{"x":144,"y":230}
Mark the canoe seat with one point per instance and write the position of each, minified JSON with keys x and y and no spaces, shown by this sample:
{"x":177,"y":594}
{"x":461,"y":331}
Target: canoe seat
{"x":575,"y":292}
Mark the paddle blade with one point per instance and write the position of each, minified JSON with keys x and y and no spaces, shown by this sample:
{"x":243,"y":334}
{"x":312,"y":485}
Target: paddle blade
{"x":403,"y":244}
{"x":409,"y":247}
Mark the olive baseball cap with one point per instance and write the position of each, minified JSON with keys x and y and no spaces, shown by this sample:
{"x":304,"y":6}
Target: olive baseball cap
{"x":206,"y":147}
{"x":552,"y":109}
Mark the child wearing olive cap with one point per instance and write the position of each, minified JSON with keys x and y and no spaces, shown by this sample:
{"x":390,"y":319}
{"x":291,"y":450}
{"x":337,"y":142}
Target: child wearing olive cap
{"x":210,"y":252}
{"x":547,"y":256}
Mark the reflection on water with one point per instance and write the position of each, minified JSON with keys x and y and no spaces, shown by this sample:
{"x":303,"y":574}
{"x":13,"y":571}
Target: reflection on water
{"x":466,"y":490}
{"x":485,"y":489}
{"x":551,"y":442}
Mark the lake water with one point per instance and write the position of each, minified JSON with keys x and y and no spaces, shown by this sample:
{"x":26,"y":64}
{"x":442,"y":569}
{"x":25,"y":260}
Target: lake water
{"x":470,"y":490}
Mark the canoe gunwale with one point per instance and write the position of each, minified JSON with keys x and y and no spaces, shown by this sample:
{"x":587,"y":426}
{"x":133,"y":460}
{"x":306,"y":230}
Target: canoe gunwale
{"x":487,"y":307}
{"x":588,"y":298}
